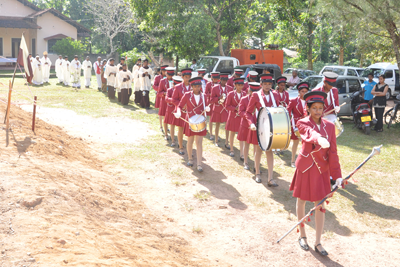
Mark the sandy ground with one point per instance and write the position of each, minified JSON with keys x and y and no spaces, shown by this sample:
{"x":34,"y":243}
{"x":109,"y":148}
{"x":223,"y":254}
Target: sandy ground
{"x":138,"y":217}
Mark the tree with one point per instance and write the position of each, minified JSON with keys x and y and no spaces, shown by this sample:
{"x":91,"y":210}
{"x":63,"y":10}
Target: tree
{"x":174,"y":27}
{"x":111,"y":17}
{"x":69,"y":47}
{"x":384,"y":15}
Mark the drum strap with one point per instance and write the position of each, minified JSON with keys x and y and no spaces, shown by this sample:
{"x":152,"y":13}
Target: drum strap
{"x":333,"y":100}
{"x":204,"y":103}
{"x":293,"y":124}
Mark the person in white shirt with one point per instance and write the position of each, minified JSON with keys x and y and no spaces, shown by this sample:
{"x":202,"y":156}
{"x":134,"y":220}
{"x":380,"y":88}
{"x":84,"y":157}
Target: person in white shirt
{"x":46,"y":63}
{"x":121,"y":63}
{"x":37,"y":71}
{"x":136,"y":81}
{"x":194,"y":64}
{"x":66,"y":71}
{"x":97,"y":71}
{"x":110,"y":74}
{"x":76,"y":67}
{"x":145,"y":74}
{"x":125,"y":81}
{"x":293,"y":80}
{"x":87,"y":71}
{"x":59,"y":68}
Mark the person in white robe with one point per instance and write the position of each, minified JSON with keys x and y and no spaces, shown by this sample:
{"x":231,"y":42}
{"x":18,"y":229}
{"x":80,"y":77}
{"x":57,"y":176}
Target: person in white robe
{"x":136,"y":81}
{"x":46,"y":63}
{"x":97,"y":71}
{"x":111,"y":74}
{"x":145,"y":76}
{"x":125,"y":82}
{"x":76,"y":67}
{"x":117,"y":83}
{"x":37,"y":71}
{"x":59,"y":68}
{"x":87,"y":71}
{"x":66,"y":71}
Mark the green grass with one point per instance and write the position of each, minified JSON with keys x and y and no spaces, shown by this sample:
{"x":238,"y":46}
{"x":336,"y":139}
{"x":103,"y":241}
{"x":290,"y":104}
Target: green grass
{"x":370,"y":205}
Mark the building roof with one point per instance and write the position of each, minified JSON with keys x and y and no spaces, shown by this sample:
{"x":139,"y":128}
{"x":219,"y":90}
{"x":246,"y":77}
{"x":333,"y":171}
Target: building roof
{"x":81,"y":29}
{"x":29,"y":4}
{"x":17,"y":22}
{"x":57,"y":36}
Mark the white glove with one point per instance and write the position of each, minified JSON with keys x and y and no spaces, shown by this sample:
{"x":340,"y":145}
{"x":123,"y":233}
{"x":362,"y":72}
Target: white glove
{"x":337,"y":109}
{"x":323,"y":142}
{"x":208,"y":109}
{"x":253,"y":127}
{"x":178,"y":114}
{"x":338,"y":183}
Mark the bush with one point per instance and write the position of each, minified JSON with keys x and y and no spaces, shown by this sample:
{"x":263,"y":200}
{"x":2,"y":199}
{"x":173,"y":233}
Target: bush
{"x":132,"y":56}
{"x":69,"y":47}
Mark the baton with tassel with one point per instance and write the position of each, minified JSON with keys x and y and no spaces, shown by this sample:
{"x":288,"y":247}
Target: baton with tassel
{"x":375,"y":151}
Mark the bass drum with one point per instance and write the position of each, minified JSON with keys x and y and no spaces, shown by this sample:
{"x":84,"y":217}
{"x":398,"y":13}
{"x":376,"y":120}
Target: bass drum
{"x":273,"y":129}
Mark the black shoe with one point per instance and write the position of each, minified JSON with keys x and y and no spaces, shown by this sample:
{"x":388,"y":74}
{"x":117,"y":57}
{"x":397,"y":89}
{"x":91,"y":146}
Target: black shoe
{"x":303,"y":244}
{"x":189,"y":163}
{"x":228,"y":147}
{"x":241,"y":158}
{"x":258,"y":178}
{"x":321,"y":252}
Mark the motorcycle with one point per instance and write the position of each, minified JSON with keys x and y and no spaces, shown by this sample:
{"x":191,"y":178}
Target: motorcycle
{"x":362,"y":112}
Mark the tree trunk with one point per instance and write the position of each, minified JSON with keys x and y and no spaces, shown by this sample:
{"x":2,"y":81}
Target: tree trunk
{"x":394,"y":35}
{"x":151,"y":56}
{"x":219,"y":39}
{"x":361,"y":60}
{"x":161,"y":56}
{"x":241,"y":46}
{"x":177,"y":64}
{"x":310,"y":46}
{"x":229,"y":46}
{"x":341,"y":55}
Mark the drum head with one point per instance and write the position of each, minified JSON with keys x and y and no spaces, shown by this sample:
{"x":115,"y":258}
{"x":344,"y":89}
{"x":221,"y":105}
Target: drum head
{"x":195,"y":119}
{"x":264,"y":129}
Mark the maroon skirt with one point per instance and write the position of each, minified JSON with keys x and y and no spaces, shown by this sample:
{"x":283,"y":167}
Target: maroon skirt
{"x":179,"y":122}
{"x":252,"y":137}
{"x":219,"y":114}
{"x":163,"y":107}
{"x":311,"y":185}
{"x":243,"y":130}
{"x":211,"y":110}
{"x":233,"y":122}
{"x":157,"y":104}
{"x":169,"y":117}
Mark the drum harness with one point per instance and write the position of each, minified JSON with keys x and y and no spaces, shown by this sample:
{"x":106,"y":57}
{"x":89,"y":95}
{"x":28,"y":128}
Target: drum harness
{"x":262,"y":100}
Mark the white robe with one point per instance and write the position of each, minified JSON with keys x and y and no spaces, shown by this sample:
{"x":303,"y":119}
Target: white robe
{"x":66,"y":71}
{"x":46,"y":63}
{"x":145,"y":82}
{"x":127,"y":84}
{"x":37,"y":72}
{"x":98,"y":75}
{"x":76,"y":73}
{"x":59,"y":70}
{"x":87,"y":71}
{"x":110,"y":74}
{"x":136,"y":80}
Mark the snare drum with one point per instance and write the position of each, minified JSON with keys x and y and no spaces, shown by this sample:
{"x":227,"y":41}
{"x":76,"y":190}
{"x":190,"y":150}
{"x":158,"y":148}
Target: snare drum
{"x":339,"y":129}
{"x":273,"y":129}
{"x":197,"y":123}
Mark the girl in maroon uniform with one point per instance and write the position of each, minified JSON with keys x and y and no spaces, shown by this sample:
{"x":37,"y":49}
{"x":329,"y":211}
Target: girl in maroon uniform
{"x":209,"y":86}
{"x":219,"y":113}
{"x":232,"y":105}
{"x":196,"y":104}
{"x":283,"y":95}
{"x":169,"y":117}
{"x":165,"y":84}
{"x":244,"y":128}
{"x":179,"y":92}
{"x":264,"y":98}
{"x":296,"y":110}
{"x":317,"y":161}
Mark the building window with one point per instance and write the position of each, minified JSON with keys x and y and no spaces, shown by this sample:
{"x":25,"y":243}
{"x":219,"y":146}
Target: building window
{"x":50,"y":44}
{"x":1,"y":46}
{"x":33,"y":46}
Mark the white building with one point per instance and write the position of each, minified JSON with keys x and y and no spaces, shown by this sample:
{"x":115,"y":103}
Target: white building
{"x":42,"y":28}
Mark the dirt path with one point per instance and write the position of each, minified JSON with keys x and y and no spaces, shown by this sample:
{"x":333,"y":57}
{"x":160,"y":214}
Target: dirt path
{"x":229,"y":227}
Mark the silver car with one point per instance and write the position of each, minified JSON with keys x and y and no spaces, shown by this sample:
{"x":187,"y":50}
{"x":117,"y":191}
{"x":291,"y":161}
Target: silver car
{"x":346,"y":86}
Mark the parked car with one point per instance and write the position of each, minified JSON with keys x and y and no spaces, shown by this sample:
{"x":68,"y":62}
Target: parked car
{"x":343,"y":70}
{"x":312,"y":80}
{"x":300,"y":72}
{"x":259,"y":68}
{"x":391,"y":73}
{"x":215,"y":63}
{"x":346,"y":85}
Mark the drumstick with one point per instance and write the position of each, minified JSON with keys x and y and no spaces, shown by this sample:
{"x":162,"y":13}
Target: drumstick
{"x":184,"y":120}
{"x":330,"y":111}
